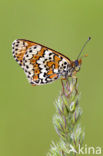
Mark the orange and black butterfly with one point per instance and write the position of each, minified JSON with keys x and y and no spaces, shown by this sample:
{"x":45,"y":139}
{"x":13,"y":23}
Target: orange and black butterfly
{"x":41,"y":64}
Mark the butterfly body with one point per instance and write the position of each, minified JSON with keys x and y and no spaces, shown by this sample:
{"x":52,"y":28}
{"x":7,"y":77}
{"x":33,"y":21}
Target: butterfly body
{"x":41,"y":64}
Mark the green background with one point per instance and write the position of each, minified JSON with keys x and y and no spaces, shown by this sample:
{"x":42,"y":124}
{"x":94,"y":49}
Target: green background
{"x":26,"y":112}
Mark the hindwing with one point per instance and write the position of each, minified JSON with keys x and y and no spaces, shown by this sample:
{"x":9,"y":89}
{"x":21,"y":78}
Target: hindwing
{"x":41,"y":64}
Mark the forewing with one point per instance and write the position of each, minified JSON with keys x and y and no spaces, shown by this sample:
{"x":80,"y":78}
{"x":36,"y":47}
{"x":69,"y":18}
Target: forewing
{"x":19,"y":48}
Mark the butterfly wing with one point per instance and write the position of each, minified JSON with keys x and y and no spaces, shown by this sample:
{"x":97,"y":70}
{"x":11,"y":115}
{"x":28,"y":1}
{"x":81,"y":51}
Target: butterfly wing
{"x":19,"y":48}
{"x":41,"y":64}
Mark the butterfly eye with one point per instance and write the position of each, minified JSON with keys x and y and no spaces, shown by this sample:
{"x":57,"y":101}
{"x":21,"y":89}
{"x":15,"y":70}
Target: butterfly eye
{"x":76,"y":63}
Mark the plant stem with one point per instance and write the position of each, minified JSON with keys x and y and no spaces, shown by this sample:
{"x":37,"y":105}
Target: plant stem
{"x":66,"y":121}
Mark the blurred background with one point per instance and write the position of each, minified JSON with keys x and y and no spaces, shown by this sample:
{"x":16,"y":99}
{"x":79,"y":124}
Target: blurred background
{"x":26,"y":112}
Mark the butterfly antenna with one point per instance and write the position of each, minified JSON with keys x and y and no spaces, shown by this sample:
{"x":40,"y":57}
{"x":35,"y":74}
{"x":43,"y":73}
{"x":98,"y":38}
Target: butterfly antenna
{"x":84,"y":47}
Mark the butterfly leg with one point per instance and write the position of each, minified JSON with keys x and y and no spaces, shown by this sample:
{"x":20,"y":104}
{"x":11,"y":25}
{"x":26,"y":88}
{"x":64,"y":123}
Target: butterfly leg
{"x":33,"y":85}
{"x":62,"y":85}
{"x":65,"y":86}
{"x":75,"y":85}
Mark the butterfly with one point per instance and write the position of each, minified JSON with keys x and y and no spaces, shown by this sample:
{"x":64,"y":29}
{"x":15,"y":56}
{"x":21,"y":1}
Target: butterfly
{"x":43,"y":65}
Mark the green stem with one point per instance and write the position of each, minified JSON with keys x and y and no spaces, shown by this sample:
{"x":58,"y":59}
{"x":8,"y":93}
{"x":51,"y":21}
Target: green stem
{"x":66,"y":121}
